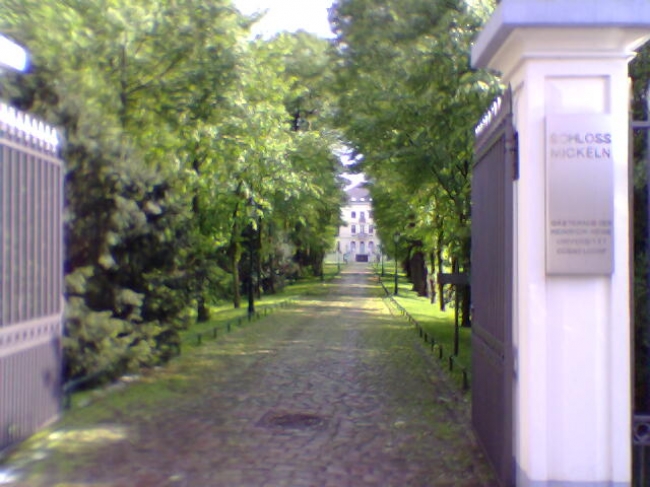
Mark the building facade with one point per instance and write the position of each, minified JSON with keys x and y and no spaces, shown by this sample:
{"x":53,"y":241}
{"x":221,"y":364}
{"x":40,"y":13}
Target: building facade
{"x":357,"y":240}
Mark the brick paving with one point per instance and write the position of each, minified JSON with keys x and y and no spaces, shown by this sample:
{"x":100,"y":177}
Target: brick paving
{"x":332,"y":391}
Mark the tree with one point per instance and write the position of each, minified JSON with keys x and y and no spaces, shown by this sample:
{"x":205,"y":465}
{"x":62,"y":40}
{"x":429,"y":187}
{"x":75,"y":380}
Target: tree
{"x":121,"y":79}
{"x":181,"y":146}
{"x":408,"y":103}
{"x":310,"y":104}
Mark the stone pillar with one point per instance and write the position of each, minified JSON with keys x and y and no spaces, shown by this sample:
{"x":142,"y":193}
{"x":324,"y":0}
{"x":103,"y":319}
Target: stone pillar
{"x":566,"y":61}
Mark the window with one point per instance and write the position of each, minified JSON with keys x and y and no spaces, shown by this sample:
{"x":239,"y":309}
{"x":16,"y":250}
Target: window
{"x":362,"y":228}
{"x":371,"y":228}
{"x":354,"y":229}
{"x":370,"y":214}
{"x":362,"y":215}
{"x":354,"y":214}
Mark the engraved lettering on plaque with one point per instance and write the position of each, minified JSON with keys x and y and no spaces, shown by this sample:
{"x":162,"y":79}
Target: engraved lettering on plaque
{"x":579,"y":195}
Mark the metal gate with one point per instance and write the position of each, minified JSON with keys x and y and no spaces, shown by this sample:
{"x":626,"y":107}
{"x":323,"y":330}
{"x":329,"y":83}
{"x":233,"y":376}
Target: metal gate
{"x":491,"y":279}
{"x":640,"y":160}
{"x":30,"y":275}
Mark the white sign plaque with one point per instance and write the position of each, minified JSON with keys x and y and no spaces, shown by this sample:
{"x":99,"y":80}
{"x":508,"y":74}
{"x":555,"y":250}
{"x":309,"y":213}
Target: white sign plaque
{"x":579,"y":195}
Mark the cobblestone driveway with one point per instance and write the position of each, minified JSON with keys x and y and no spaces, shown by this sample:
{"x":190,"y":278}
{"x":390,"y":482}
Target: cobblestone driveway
{"x":330,"y":392}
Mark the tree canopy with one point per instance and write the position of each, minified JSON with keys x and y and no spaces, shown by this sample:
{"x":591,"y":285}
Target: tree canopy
{"x":184,"y":141}
{"x":408,"y":103}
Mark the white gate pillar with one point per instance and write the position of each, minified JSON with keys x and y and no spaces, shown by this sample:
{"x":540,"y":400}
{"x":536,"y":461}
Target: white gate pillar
{"x":567,"y":63}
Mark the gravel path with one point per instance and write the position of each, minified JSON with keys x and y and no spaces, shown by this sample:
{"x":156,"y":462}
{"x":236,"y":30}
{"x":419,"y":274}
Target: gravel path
{"x":332,"y":391}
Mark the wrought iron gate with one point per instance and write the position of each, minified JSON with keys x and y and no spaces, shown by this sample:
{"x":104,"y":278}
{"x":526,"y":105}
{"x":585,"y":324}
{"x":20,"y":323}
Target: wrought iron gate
{"x":30,"y":275}
{"x":492,"y":275}
{"x":640,"y":160}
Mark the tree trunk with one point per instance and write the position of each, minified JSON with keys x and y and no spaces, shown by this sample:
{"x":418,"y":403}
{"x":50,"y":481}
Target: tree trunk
{"x":418,"y":272}
{"x":316,"y":259}
{"x":465,"y":263}
{"x":271,"y":275}
{"x":271,"y":263}
{"x":258,"y":261}
{"x":235,"y":255}
{"x":441,"y":290}
{"x":202,"y":311}
{"x":432,"y":281}
{"x":457,"y":289}
{"x":407,"y":263}
{"x":467,"y":306}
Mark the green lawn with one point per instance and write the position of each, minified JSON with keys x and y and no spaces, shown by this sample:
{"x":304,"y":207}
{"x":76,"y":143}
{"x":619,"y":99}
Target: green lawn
{"x":224,"y":314}
{"x":436,"y":323}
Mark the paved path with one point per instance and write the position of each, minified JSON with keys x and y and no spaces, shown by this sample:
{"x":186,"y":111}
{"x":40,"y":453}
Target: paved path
{"x":333,"y":391}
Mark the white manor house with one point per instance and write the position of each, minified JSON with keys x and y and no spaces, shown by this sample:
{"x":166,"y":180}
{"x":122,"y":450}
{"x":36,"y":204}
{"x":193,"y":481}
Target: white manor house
{"x":357,"y":239}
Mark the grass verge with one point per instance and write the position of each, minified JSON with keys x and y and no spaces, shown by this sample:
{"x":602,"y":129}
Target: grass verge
{"x":437,"y":324}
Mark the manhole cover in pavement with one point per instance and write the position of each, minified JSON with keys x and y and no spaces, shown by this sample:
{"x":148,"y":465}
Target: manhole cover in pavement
{"x":285,"y":420}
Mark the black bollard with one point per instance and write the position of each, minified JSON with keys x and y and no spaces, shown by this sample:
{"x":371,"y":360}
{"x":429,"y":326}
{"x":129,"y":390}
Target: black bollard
{"x":465,"y":381}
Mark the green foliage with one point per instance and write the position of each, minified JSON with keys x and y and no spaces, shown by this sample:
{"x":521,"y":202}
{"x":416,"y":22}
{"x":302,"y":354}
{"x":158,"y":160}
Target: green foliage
{"x":127,"y":287}
{"x":120,"y":79}
{"x":178,"y":140}
{"x":408,"y":104}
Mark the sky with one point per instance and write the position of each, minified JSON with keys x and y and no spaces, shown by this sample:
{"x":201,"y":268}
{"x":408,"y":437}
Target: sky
{"x":290,"y":15}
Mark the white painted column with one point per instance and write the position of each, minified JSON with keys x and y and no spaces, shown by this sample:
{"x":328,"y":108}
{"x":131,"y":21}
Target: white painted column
{"x":572,"y":330}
